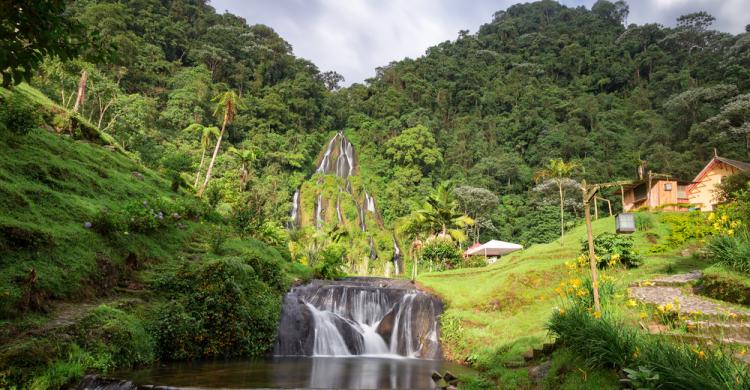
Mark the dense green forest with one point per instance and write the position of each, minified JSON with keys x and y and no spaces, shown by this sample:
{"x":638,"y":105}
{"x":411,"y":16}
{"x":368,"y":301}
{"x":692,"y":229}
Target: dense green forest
{"x":153,"y":149}
{"x":539,"y":81}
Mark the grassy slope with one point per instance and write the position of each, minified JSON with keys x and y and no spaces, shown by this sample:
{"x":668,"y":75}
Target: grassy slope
{"x":504,"y":307}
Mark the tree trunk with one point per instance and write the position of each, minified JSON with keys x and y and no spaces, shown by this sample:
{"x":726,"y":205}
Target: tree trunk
{"x":562,"y":214}
{"x":81,"y":91}
{"x":213,"y":157}
{"x":200,"y":168}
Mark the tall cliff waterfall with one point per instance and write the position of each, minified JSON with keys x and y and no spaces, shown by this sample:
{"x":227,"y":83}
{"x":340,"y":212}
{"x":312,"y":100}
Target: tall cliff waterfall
{"x":359,"y":316}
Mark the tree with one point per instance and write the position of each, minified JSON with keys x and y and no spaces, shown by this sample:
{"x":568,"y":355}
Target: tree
{"x":557,"y":171}
{"x":32,"y":30}
{"x":415,"y":146}
{"x":478,"y":203}
{"x":440,"y":213}
{"x":227,"y":104}
{"x":245,"y":159}
{"x":206,"y":134}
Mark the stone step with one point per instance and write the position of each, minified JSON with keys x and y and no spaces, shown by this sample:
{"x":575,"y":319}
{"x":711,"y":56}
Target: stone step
{"x":688,"y":304}
{"x":705,"y":339}
{"x":677,"y":280}
{"x":719,"y":329}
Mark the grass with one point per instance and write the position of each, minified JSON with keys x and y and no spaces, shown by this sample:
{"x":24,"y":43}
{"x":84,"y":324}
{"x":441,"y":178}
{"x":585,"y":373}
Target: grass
{"x":502,"y":309}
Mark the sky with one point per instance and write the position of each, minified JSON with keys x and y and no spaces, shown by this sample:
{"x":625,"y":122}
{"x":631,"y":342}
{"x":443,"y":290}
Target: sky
{"x":353,"y":37}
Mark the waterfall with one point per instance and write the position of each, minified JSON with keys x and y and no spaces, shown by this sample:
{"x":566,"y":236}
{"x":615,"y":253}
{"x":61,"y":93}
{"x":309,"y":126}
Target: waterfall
{"x":373,"y":250}
{"x":294,"y":215}
{"x":338,"y":210}
{"x":369,"y":202}
{"x":319,"y":211}
{"x":359,"y":316}
{"x":325,"y":162}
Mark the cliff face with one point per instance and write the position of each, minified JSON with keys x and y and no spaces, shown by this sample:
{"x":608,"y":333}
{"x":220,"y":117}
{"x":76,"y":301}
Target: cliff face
{"x":335,"y":198}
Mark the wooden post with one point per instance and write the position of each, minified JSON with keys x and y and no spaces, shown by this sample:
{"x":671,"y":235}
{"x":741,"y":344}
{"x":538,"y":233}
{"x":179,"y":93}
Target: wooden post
{"x":609,"y":205}
{"x":596,"y":209}
{"x":622,"y":195}
{"x":587,"y":195}
{"x":648,"y":191}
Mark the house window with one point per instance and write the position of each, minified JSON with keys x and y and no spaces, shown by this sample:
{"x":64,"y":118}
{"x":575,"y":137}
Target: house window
{"x":640,"y":193}
{"x":681,"y":191}
{"x":667,"y":186}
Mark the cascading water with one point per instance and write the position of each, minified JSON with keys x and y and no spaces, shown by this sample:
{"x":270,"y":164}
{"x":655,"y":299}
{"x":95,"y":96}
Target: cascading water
{"x":294,"y":215}
{"x":397,"y":263}
{"x":319,"y":211}
{"x":339,"y":216}
{"x":325,"y":161}
{"x":373,"y":250}
{"x":359,"y":316}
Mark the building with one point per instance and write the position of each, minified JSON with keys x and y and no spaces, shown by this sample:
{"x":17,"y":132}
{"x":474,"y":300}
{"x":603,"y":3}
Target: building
{"x":662,"y":192}
{"x":658,"y":191}
{"x":702,"y":192}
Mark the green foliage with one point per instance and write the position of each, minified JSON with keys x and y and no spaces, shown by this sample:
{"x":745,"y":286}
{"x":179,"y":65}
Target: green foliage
{"x":643,"y":222}
{"x":724,"y":284}
{"x":136,"y":216}
{"x":18,"y":114}
{"x":441,"y":254}
{"x":732,"y":251}
{"x":415,"y":147}
{"x":607,"y":342}
{"x":612,"y":249}
{"x":331,"y":263}
{"x":684,"y":227}
{"x":221,"y":308}
{"x":120,"y":336}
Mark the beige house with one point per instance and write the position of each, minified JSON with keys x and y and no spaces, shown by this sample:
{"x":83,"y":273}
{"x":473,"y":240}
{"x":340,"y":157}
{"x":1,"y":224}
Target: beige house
{"x":702,"y":192}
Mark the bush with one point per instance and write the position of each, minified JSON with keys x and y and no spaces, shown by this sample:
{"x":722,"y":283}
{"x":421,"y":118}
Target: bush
{"x":117,"y":336}
{"x":220,"y":309}
{"x":18,"y":114}
{"x":607,"y":342}
{"x":140,"y":216}
{"x":612,"y":249}
{"x":441,"y":253}
{"x":331,"y":263}
{"x":643,"y":222}
{"x":732,"y":251}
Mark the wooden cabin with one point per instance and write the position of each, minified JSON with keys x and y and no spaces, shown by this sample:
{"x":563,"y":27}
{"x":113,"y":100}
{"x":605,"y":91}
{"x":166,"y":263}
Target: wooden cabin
{"x":703,"y":192}
{"x":663,"y":193}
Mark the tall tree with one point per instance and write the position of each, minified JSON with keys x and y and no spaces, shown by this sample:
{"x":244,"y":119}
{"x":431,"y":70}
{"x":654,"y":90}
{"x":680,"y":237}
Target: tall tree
{"x":207,"y":133}
{"x":227,"y":104}
{"x":557,"y":171}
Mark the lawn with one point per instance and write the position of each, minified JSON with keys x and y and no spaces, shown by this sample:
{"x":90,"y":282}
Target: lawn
{"x":499,"y":311}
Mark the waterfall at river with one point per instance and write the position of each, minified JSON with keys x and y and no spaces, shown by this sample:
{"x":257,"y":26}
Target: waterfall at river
{"x":359,"y":316}
{"x":294,"y":215}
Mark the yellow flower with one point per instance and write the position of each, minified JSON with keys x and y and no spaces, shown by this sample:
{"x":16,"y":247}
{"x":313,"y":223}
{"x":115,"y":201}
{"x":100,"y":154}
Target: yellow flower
{"x":631,"y":303}
{"x":701,"y":355}
{"x":730,"y":232}
{"x":711,"y":216}
{"x":643,"y":315}
{"x":676,"y":301}
{"x":724,"y":218}
{"x":597,"y":314}
{"x":668,"y":307}
{"x":575,"y":283}
{"x":732,"y":315}
{"x":561,"y":311}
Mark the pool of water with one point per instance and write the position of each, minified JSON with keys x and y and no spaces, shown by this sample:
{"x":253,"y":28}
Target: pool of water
{"x":359,"y":372}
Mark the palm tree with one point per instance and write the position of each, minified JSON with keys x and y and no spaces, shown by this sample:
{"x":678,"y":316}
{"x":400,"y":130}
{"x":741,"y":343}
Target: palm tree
{"x":441,"y":213}
{"x":228,"y":103}
{"x":245,"y":160}
{"x":206,"y":134}
{"x":557,"y":171}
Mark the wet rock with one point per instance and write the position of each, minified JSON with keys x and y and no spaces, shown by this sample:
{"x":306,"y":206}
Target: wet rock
{"x":385,"y":328}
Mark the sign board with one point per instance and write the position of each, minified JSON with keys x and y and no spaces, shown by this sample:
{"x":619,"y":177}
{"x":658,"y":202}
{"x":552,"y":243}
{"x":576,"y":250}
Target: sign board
{"x":625,"y":223}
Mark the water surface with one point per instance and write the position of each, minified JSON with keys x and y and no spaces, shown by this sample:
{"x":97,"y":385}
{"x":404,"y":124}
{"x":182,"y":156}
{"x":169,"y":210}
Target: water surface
{"x":359,"y":372}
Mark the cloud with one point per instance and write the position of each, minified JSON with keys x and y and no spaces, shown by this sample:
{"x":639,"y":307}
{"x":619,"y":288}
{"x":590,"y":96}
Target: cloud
{"x":353,"y":37}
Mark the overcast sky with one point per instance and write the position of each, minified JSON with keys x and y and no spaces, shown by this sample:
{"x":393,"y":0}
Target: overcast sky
{"x":353,"y":37}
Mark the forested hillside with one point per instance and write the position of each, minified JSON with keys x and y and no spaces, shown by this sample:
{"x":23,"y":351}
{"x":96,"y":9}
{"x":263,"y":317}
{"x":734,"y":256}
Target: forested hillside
{"x":539,"y":81}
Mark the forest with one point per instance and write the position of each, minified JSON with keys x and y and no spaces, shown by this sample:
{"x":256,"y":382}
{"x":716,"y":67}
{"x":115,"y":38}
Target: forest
{"x":218,"y":131}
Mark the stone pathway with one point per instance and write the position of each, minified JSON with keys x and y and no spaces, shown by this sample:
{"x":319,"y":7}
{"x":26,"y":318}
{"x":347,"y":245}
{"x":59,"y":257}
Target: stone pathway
{"x":686,"y":302}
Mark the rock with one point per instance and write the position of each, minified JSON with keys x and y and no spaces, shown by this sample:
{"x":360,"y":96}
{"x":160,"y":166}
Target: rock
{"x":441,"y":384}
{"x":87,"y":225}
{"x":548,"y":348}
{"x":385,"y":327}
{"x":137,"y":176}
{"x":436,"y":376}
{"x":449,"y":377}
{"x":176,"y":216}
{"x":528,"y":355}
{"x":537,"y":373}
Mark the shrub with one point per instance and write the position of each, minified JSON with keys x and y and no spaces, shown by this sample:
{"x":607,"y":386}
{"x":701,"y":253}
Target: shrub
{"x":223,"y":310}
{"x":607,"y":342}
{"x":643,"y":222}
{"x":118,"y":336}
{"x":441,"y":253}
{"x":18,"y":114}
{"x":331,"y":263}
{"x":732,"y":251}
{"x":612,"y":249}
{"x":138,"y":216}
